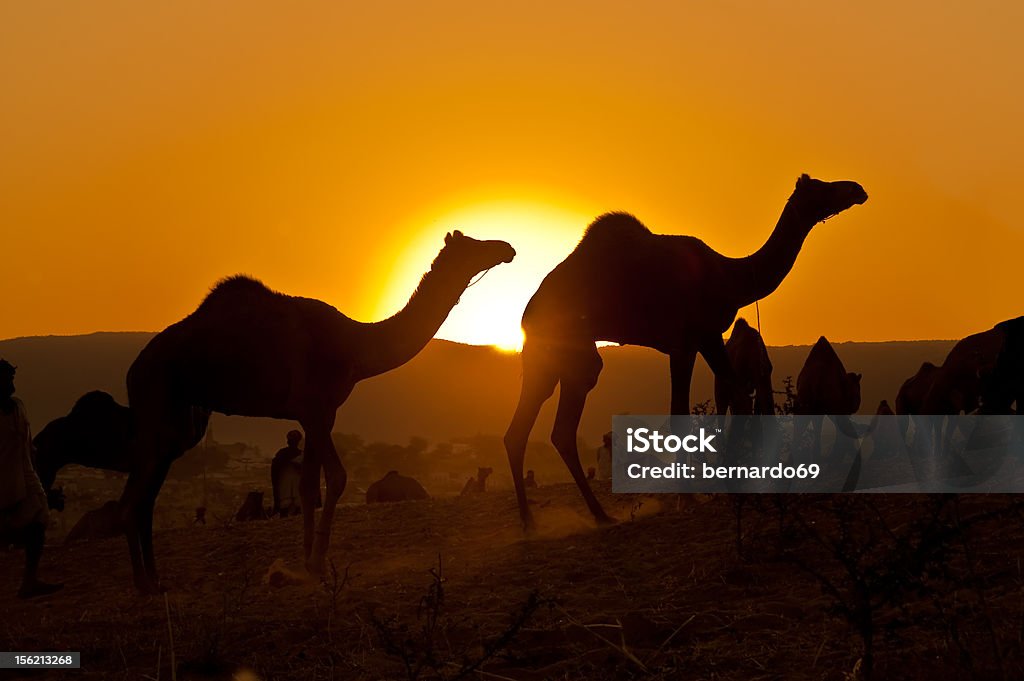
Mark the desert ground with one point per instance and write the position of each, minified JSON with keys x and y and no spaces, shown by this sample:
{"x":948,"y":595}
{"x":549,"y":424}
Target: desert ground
{"x":701,"y":587}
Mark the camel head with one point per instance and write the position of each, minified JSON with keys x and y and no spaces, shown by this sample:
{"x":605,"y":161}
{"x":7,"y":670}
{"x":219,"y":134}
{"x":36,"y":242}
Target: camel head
{"x":820,"y":200}
{"x":467,"y":257}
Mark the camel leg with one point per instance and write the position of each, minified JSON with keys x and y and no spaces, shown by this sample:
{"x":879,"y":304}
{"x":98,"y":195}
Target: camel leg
{"x":319,"y":439}
{"x":134,"y":499}
{"x":718,"y":360}
{"x":722,"y":395}
{"x":145,"y":513}
{"x":681,"y":369}
{"x":538,"y":384}
{"x":819,"y":423}
{"x":579,"y":378}
{"x":309,"y":490}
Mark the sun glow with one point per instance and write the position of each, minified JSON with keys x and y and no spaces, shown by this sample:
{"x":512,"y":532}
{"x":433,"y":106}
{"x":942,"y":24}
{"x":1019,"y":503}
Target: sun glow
{"x":490,"y":311}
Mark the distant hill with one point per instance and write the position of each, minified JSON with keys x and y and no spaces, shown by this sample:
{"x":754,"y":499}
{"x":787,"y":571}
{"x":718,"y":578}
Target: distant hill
{"x":449,"y":390}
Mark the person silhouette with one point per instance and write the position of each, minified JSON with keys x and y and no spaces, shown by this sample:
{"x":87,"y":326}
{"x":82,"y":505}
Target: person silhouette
{"x":604,"y":458}
{"x":24,"y":513}
{"x":285,"y":469}
{"x":530,"y":481}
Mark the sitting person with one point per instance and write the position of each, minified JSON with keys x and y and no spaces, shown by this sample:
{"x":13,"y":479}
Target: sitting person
{"x":530,"y":481}
{"x":477,"y":485}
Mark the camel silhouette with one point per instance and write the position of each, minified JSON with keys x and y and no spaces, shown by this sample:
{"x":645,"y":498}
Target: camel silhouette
{"x":96,"y":433}
{"x":824,"y":388}
{"x":1004,"y":385}
{"x":250,"y":351}
{"x":100,"y":523}
{"x":395,"y":487}
{"x":624,"y":284}
{"x":957,"y":384}
{"x":750,"y":391}
{"x":910,"y":398}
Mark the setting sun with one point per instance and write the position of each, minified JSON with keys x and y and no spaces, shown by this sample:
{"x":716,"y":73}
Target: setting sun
{"x":490,"y":310}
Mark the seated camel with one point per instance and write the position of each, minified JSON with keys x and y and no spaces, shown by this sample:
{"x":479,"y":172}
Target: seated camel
{"x":751,"y":387}
{"x":96,"y":433}
{"x":477,"y":485}
{"x":824,"y":388}
{"x":394,"y":487}
{"x":100,"y":523}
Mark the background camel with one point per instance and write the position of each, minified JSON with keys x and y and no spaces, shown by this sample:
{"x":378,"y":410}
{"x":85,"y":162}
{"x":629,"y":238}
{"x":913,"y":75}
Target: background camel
{"x":624,"y":284}
{"x":957,"y":389}
{"x":95,"y":433}
{"x":824,"y":387}
{"x":911,"y":395}
{"x":910,"y":398}
{"x":250,"y":351}
{"x":394,"y":487}
{"x":750,"y":391}
{"x":1003,"y":387}
{"x":100,"y":523}
{"x":956,"y":386}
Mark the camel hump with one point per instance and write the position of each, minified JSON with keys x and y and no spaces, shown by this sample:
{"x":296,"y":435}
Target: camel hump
{"x":238,"y":285}
{"x":94,"y":403}
{"x":823,"y":351}
{"x":614,"y":227}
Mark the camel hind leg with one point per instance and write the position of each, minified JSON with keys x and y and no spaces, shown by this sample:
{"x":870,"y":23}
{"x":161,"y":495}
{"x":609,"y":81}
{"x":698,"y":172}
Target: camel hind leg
{"x":578,"y":378}
{"x":539,"y":381}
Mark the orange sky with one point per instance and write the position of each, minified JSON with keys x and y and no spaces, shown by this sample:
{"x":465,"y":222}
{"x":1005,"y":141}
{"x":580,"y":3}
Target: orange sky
{"x":148,"y":149}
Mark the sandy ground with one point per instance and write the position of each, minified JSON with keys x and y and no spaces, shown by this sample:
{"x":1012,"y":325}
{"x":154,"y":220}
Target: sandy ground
{"x":662,"y":594}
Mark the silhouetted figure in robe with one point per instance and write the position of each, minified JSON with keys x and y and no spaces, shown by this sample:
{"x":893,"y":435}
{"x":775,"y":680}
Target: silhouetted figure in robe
{"x":285,"y":471}
{"x":23,"y":509}
{"x":530,"y":481}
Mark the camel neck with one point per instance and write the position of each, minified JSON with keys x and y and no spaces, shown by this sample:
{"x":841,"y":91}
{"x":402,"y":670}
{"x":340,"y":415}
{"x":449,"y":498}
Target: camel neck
{"x":761,"y":272}
{"x":390,"y":343}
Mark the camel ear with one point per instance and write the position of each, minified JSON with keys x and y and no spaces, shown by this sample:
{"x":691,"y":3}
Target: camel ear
{"x":802,"y":179}
{"x":447,"y":238}
{"x":458,"y":233}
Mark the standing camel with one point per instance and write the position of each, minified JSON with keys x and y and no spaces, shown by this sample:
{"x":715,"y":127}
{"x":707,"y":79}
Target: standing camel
{"x":824,"y":388}
{"x":750,"y":391}
{"x":1003,"y":386}
{"x":910,"y":398}
{"x":674,"y":294}
{"x":959,"y":383}
{"x":250,"y":351}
